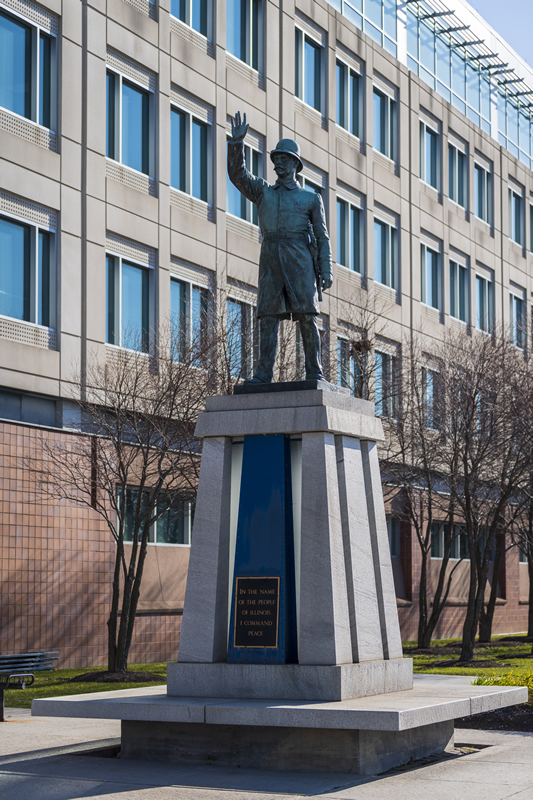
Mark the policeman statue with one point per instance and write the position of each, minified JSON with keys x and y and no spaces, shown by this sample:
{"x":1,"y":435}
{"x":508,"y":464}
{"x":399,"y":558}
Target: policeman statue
{"x":291,"y":278}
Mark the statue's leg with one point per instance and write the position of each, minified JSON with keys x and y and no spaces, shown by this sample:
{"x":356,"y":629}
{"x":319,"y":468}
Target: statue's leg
{"x":311,"y":343}
{"x":268,"y":347}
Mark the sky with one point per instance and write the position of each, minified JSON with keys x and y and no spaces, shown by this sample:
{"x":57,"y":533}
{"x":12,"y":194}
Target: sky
{"x":513,"y":20}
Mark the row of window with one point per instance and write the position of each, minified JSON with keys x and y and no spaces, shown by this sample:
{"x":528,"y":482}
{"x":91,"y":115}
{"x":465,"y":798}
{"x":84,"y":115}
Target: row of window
{"x":28,"y":80}
{"x":26,"y":89}
{"x":27,"y":281}
{"x":28,"y":83}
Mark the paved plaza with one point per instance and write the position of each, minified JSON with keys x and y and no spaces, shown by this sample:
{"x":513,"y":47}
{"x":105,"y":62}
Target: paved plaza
{"x":43,"y":758}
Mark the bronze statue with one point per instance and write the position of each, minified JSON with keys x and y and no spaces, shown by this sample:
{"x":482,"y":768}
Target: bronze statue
{"x":293,"y":223}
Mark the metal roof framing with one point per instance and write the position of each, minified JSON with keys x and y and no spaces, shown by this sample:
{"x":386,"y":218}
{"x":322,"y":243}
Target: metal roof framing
{"x":474,"y":49}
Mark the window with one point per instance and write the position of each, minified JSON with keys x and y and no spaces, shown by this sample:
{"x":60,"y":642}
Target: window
{"x":385,"y":385}
{"x":195,"y":13}
{"x":482,"y":193}
{"x":522,"y":556}
{"x":244,"y":31}
{"x":517,"y":320}
{"x":349,"y":374}
{"x":310,"y":185}
{"x":236,"y":202}
{"x":431,"y":277}
{"x":349,"y":235}
{"x":128,"y":123}
{"x":431,"y":398}
{"x":241,"y":338}
{"x":349,"y":99}
{"x":439,"y":538}
{"x":127,"y":304}
{"x":189,"y":151}
{"x":380,"y":19}
{"x":384,"y":111}
{"x":459,"y":293}
{"x":457,"y":175}
{"x":27,"y":71}
{"x":429,"y":155}
{"x":309,"y":71}
{"x":35,"y":409}
{"x":385,"y":254}
{"x":174,"y":526}
{"x":27,"y":272}
{"x":516,"y":222}
{"x":190,"y":315}
{"x":484,"y":303}
{"x":531,"y":228}
{"x":393,"y":530}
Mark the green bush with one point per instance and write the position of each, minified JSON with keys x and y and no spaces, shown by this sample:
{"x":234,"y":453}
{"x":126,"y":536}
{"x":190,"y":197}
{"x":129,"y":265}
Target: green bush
{"x":515,"y":678}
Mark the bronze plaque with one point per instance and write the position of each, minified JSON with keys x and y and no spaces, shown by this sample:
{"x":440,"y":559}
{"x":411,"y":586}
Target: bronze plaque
{"x":256,"y":612}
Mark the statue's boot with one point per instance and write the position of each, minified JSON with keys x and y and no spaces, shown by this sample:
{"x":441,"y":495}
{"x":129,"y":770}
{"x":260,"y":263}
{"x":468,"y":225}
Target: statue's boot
{"x":311,"y":345}
{"x":268,"y":346}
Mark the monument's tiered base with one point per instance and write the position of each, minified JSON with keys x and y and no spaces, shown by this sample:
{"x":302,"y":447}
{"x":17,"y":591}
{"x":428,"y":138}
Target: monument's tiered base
{"x":309,"y":749}
{"x":290,"y":681}
{"x":364,"y":736}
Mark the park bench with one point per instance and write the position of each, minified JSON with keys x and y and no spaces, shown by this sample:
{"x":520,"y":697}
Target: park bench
{"x":16,"y":671}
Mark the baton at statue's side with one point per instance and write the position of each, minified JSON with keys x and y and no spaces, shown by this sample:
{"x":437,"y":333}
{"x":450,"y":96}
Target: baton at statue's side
{"x":295,"y":262}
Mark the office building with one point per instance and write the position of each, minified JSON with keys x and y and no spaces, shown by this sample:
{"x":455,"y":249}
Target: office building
{"x":414,"y":123}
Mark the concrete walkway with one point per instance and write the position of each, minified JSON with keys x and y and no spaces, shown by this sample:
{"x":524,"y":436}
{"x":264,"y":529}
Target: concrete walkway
{"x":40,"y":760}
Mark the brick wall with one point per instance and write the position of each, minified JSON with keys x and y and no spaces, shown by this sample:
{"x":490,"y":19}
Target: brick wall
{"x":55,"y":570}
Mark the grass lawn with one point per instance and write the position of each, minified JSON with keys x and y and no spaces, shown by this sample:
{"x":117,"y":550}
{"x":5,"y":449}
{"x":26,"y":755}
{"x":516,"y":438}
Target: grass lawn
{"x":506,"y":660}
{"x":58,"y":682}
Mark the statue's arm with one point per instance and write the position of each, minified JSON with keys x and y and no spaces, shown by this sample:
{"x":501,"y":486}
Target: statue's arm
{"x":318,"y":220}
{"x":250,"y":186}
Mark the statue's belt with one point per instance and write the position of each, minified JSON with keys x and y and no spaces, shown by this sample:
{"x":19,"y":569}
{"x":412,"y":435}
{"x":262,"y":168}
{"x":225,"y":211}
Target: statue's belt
{"x":271,"y":236}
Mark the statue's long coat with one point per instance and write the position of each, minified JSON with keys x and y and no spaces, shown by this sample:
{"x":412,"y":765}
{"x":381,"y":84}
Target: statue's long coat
{"x":287,"y":280}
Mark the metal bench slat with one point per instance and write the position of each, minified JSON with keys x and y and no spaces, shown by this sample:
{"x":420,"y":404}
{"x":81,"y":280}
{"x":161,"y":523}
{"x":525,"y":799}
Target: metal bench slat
{"x":30,"y":661}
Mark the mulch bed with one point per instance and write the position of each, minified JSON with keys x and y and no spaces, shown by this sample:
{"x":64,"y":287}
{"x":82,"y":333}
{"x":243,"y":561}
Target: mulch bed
{"x":117,"y":677}
{"x":513,"y":718}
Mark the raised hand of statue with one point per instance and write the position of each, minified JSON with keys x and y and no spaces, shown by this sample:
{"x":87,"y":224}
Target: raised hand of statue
{"x":239,"y":127}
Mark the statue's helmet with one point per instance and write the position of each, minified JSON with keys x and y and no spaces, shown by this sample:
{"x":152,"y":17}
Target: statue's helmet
{"x":290,"y":147}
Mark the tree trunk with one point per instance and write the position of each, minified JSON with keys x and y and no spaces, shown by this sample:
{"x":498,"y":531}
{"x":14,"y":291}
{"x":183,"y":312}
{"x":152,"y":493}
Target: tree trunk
{"x":113,"y":612}
{"x":487,"y":616}
{"x":130,"y":599}
{"x":470,"y":623}
{"x":423,"y":600}
{"x":439,"y":602}
{"x":475,"y":605}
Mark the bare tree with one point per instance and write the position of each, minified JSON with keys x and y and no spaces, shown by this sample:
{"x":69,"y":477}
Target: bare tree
{"x":483,"y":461}
{"x":522,"y":533}
{"x":135,"y":460}
{"x":412,"y":469}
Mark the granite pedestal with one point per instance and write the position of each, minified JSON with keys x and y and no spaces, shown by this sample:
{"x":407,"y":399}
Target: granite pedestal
{"x":348,"y":632}
{"x":348,"y":704}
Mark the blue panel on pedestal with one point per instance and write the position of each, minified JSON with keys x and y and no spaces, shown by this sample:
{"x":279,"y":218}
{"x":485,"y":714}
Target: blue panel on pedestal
{"x":263,"y":608}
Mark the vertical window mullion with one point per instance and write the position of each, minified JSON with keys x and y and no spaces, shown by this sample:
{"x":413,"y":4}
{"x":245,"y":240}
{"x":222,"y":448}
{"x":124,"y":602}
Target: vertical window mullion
{"x":118,"y":111}
{"x":34,"y":72}
{"x":188,"y":153}
{"x":118,"y":301}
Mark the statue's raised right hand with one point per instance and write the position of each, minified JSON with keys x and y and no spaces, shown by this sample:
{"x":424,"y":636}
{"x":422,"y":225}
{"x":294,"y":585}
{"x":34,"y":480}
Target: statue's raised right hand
{"x":239,"y":127}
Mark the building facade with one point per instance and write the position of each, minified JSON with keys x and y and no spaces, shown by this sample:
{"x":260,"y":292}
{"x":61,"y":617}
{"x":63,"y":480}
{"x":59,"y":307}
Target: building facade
{"x":415,"y":126}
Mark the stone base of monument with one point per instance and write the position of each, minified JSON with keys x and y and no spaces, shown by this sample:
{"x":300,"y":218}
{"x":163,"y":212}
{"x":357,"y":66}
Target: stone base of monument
{"x":290,"y":681}
{"x":283,"y":748}
{"x":365,"y":736}
{"x":290,"y":562}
